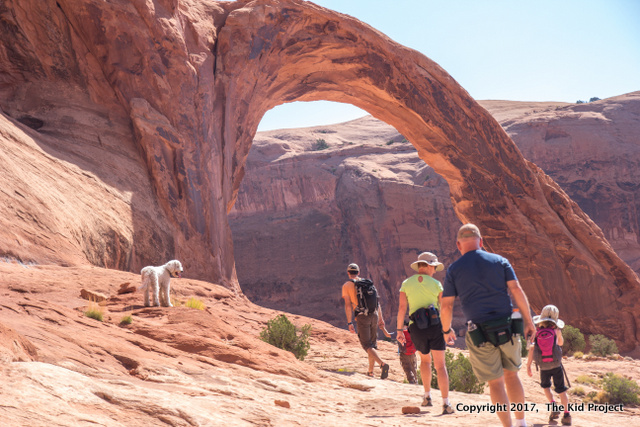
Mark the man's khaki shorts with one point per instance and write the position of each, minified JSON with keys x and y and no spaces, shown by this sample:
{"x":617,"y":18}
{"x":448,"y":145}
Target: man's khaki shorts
{"x":368,"y":330}
{"x":489,"y":362}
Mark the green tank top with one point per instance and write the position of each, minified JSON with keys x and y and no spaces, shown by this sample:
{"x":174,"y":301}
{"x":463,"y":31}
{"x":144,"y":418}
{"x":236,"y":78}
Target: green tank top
{"x":421,"y":294}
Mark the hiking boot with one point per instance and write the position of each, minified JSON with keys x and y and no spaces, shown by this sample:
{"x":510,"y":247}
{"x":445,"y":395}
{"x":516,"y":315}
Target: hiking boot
{"x":447,"y":409}
{"x":385,"y":371}
{"x":566,"y":419}
{"x":427,"y":401}
{"x":554,"y":415}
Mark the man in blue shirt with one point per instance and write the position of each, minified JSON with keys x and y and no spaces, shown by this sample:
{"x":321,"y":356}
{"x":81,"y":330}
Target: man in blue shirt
{"x":483,"y":281}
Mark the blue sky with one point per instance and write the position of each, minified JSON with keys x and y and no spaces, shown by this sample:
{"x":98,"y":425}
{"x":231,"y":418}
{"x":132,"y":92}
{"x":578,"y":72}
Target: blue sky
{"x":542,"y":50}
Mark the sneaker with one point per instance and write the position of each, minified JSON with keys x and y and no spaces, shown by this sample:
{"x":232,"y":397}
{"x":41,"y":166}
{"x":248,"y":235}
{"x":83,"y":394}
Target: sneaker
{"x":566,"y":420}
{"x":447,"y":409}
{"x":427,"y":401}
{"x":385,"y":371}
{"x":554,"y":415}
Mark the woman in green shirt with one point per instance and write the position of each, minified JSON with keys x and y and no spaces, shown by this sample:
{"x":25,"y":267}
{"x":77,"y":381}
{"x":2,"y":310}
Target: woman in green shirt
{"x":420,"y":291}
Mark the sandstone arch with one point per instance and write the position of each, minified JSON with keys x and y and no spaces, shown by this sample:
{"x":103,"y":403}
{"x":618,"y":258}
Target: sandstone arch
{"x":308,"y":53}
{"x":196,"y":77}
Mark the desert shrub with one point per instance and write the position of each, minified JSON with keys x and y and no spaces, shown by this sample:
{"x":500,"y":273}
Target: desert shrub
{"x":585,"y":379}
{"x":573,"y":340}
{"x":461,"y":376}
{"x":126,"y":320}
{"x":577,"y":391}
{"x":320,"y":144}
{"x":601,"y":397}
{"x":595,"y":98}
{"x":195,"y":303}
{"x":620,"y":389}
{"x":602,"y":346}
{"x":281,"y":333}
{"x":95,"y":312}
{"x":578,"y":355}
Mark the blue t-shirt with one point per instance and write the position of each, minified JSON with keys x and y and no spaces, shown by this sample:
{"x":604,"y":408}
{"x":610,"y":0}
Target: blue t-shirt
{"x":479,"y":279}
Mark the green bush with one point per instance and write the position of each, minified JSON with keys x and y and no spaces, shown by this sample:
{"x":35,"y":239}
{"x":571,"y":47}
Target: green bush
{"x":461,"y":376}
{"x":573,"y":340}
{"x":126,"y":320}
{"x":602,"y":346}
{"x":585,"y":379}
{"x":320,"y":144}
{"x":621,"y":389}
{"x":95,"y":312}
{"x":281,"y":333}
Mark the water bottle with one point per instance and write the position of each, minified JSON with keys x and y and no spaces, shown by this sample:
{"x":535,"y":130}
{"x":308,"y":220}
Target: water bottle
{"x":517,"y":324}
{"x":471,"y":326}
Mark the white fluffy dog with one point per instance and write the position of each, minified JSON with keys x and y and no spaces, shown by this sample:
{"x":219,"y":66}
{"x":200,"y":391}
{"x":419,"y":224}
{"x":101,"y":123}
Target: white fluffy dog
{"x":158,"y":281}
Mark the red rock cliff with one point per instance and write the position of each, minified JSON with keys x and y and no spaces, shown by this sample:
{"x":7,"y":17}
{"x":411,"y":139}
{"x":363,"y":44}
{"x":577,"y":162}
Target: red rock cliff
{"x":186,"y":83}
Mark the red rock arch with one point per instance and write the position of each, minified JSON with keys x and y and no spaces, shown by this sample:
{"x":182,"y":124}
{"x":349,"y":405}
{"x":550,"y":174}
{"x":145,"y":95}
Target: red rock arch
{"x":295,"y":51}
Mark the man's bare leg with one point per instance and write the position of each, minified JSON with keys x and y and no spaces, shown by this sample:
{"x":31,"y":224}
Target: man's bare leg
{"x":515,"y":390}
{"x":499,"y":395}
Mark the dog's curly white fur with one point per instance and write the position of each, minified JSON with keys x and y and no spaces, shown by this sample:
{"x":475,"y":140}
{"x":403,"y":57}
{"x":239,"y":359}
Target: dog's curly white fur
{"x":157,"y":280}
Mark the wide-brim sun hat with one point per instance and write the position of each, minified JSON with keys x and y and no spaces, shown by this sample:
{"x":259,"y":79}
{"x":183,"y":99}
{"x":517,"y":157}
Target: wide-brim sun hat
{"x":549,"y":313}
{"x":427,"y":258}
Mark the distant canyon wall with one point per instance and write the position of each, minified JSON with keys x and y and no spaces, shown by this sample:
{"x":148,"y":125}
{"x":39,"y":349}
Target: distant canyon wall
{"x":593,"y":151}
{"x":368,"y":198}
{"x":302,"y":216}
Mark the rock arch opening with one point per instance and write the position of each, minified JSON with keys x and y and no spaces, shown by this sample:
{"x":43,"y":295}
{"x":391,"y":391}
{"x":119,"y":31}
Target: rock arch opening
{"x":301,"y":52}
{"x":304,"y":211}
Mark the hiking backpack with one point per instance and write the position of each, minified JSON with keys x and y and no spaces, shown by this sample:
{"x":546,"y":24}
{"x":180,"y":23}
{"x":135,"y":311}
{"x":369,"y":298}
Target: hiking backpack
{"x":367,"y":295}
{"x":547,"y":353}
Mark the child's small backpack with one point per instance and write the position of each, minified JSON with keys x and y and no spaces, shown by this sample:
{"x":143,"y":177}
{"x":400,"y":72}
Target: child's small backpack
{"x":408,"y":347}
{"x":547,"y":353}
{"x":367,"y":295}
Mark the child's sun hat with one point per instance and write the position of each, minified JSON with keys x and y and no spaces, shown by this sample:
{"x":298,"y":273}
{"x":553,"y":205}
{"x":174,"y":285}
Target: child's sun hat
{"x":549,"y":313}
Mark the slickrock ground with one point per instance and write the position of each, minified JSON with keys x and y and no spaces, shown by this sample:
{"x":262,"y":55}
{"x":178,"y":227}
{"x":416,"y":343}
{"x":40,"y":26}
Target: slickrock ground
{"x":184,"y":367}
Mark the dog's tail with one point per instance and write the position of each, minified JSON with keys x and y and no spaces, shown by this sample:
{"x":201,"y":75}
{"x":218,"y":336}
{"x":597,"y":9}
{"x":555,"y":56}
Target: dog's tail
{"x":145,"y":281}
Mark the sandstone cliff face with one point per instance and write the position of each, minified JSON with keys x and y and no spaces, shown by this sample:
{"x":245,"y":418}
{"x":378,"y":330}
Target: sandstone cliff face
{"x":593,"y":151}
{"x":186,"y":82}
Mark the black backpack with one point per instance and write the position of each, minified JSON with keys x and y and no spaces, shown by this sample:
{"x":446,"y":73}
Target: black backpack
{"x":367,"y":295}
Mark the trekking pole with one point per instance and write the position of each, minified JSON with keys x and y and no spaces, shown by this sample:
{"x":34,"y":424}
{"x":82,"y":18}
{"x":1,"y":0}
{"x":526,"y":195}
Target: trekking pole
{"x":566,"y":376}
